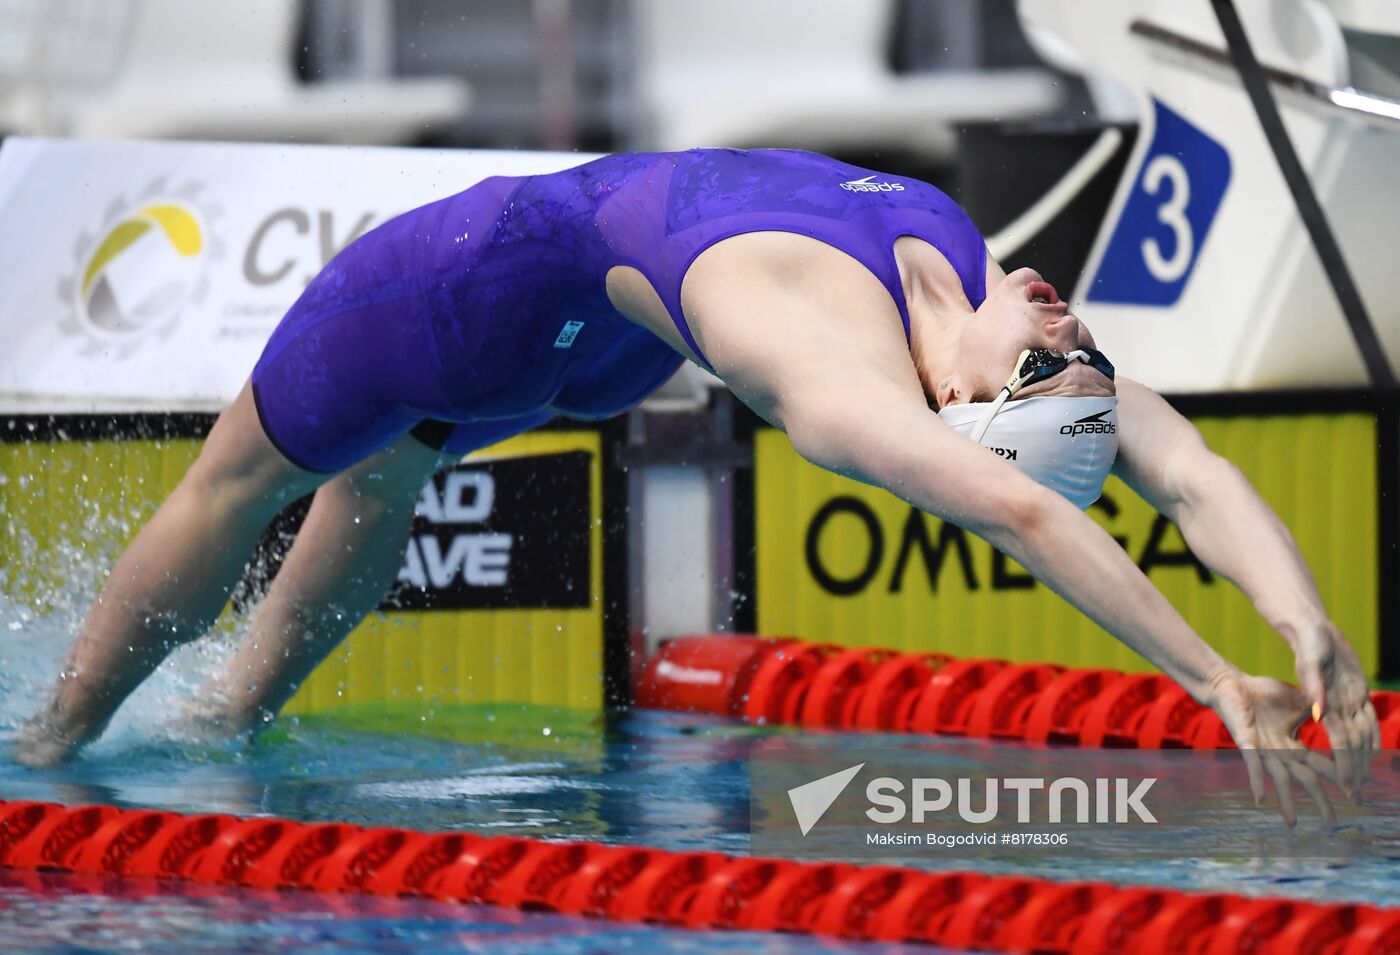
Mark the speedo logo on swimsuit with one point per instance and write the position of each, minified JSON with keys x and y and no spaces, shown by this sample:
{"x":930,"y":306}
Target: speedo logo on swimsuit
{"x":567,"y":334}
{"x":865,"y":185}
{"x":1091,"y":424}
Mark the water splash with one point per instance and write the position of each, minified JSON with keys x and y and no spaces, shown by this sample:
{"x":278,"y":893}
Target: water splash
{"x":35,"y":641}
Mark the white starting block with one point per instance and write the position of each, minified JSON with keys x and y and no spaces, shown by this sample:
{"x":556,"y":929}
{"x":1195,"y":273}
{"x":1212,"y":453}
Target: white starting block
{"x":1202,"y":277}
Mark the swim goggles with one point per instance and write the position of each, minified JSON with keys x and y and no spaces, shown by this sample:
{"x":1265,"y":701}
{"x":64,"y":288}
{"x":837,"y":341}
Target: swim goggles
{"x":1034,"y":365}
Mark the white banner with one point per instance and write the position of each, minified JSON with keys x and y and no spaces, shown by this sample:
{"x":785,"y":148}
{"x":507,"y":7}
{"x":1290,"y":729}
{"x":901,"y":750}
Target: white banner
{"x":147,"y":276}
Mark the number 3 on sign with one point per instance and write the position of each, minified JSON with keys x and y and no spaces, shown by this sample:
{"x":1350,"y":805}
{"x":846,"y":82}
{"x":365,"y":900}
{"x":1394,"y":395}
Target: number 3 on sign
{"x":1171,"y":213}
{"x":1161,"y":231}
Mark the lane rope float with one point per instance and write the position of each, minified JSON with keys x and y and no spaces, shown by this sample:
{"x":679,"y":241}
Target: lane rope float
{"x":822,"y":686}
{"x":696,"y":890}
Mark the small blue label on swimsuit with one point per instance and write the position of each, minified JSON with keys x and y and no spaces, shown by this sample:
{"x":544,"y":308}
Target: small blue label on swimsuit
{"x":567,"y":334}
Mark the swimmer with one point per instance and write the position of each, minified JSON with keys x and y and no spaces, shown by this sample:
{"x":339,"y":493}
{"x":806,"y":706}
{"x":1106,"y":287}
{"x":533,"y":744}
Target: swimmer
{"x":857,"y":311}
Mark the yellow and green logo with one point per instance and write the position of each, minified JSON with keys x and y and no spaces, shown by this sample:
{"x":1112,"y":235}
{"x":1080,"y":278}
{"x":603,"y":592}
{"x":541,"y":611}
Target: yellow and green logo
{"x":142,"y":268}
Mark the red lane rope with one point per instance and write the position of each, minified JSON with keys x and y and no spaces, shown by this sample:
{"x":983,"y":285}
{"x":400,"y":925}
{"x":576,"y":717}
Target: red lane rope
{"x":824,"y":686}
{"x":698,"y":890}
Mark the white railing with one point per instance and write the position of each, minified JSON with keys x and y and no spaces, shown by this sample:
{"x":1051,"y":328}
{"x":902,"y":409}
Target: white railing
{"x":52,"y":50}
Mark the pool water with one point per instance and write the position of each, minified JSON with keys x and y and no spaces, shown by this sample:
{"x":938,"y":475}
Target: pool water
{"x":56,"y":914}
{"x":667,"y":780}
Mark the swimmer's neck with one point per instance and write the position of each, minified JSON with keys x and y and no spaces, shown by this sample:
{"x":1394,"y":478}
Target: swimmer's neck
{"x":938,"y":308}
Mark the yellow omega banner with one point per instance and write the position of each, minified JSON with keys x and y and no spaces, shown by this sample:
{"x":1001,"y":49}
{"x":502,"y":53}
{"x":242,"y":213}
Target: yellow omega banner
{"x":67,"y":507}
{"x":841,"y":561}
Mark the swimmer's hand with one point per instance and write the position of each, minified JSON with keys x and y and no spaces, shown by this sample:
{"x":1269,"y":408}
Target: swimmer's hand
{"x":1333,"y":680}
{"x":1263,"y":717}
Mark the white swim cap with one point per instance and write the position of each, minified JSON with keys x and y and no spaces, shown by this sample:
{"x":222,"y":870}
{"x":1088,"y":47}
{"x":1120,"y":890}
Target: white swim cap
{"x":1066,"y":444}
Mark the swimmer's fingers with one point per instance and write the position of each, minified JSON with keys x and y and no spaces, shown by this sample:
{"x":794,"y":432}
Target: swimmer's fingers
{"x":1255,"y":767}
{"x":1283,"y":786}
{"x":1284,"y":766}
{"x":1263,"y":716}
{"x":1368,"y":738}
{"x":1357,"y":737}
{"x":1334,"y":681}
{"x":1366,"y":730}
{"x":1323,"y":765}
{"x":1354,"y":737}
{"x":1299,"y":768}
{"x":1341,"y":734}
{"x":1375,"y":732}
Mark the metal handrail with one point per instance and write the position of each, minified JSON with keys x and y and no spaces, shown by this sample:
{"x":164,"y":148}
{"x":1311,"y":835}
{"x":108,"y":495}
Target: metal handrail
{"x":1368,"y":108}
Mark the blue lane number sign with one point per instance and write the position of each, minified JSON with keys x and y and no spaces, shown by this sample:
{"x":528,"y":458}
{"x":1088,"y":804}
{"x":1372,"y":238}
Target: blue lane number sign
{"x":1159,"y":236}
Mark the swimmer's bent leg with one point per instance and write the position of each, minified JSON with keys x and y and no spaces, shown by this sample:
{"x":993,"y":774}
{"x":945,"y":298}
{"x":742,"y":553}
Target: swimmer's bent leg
{"x":173,"y":580}
{"x":346,"y":556}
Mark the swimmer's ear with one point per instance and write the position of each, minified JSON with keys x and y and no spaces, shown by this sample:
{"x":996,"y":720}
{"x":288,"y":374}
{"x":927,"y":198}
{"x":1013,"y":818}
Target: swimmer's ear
{"x":949,"y":391}
{"x":936,"y":400}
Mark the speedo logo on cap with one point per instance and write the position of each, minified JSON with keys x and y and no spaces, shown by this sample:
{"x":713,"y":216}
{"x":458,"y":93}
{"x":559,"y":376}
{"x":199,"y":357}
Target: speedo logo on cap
{"x":865,"y":185}
{"x":1091,"y":424}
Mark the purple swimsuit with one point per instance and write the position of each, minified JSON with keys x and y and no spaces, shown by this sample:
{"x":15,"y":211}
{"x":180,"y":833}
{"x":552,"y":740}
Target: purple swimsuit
{"x":482,"y":315}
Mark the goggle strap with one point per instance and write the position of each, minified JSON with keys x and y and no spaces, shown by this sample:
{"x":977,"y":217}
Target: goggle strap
{"x":1017,"y":382}
{"x":985,"y":421}
{"x":1017,"y":379}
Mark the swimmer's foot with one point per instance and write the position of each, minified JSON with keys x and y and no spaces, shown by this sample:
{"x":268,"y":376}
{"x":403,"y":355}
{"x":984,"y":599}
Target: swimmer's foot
{"x":210,"y":718}
{"x":41,"y":744}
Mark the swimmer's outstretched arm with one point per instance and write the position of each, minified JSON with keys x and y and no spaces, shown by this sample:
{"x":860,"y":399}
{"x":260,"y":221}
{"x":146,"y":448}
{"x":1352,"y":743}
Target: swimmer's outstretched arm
{"x":889,"y":441}
{"x":1229,"y":526}
{"x":844,"y":389}
{"x":882,"y":436}
{"x":846,"y":393}
{"x":810,"y":355}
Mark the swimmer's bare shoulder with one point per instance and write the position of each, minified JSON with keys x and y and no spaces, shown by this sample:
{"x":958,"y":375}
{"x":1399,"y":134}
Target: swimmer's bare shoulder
{"x":756,"y":300}
{"x":779,"y":313}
